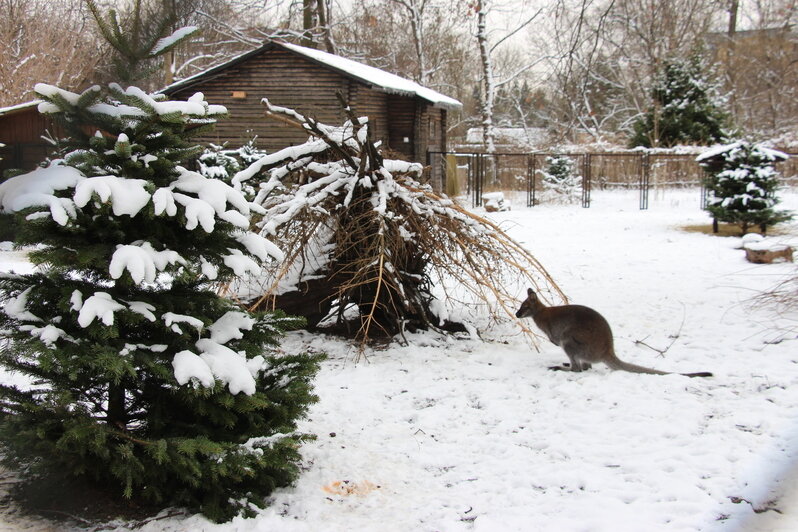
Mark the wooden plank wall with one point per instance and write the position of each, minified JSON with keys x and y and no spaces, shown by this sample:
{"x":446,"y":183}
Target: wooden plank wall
{"x":282,"y":78}
{"x":402,"y":130}
{"x":366,"y":101}
{"x":408,"y":126}
{"x":21,"y":132}
{"x":286,"y":80}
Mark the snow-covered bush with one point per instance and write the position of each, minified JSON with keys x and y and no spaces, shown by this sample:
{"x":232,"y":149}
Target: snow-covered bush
{"x":360,"y":233}
{"x":560,"y":181}
{"x":742,"y":184}
{"x":249,"y":152}
{"x":142,"y":377}
{"x":217,"y":163}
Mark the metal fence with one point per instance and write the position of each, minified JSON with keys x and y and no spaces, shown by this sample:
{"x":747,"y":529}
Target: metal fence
{"x":477,"y":173}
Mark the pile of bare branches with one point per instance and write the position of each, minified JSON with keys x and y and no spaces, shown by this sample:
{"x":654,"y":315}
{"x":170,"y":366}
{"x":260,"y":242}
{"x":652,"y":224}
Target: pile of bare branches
{"x":365,"y":242}
{"x":782,"y":302}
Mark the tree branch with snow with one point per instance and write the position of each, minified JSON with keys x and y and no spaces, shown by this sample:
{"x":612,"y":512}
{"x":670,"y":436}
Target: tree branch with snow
{"x":371,"y":250}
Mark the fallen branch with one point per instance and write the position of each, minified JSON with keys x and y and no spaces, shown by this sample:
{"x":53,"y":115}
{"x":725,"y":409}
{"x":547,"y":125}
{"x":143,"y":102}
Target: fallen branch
{"x":673,"y":337}
{"x":361,"y":232}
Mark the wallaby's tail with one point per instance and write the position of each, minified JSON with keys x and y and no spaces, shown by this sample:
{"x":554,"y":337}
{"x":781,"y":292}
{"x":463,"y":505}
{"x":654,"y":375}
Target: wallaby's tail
{"x":616,"y":363}
{"x":699,"y":374}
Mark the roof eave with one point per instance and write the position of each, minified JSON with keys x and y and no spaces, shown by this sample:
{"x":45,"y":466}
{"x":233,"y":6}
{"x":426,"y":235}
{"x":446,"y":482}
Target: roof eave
{"x":14,"y":109}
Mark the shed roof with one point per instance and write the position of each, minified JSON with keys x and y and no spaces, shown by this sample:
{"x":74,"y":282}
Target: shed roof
{"x":374,"y":77}
{"x":13,"y":109}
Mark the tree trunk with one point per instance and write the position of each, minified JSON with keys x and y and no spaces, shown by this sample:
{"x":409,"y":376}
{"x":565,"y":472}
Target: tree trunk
{"x":417,"y":25}
{"x":308,"y":23}
{"x":488,"y":86}
{"x":116,"y":405}
{"x":324,"y":24}
{"x":730,"y":59}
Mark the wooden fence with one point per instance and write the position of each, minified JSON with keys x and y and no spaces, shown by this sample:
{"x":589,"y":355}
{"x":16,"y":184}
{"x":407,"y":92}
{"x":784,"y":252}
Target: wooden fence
{"x":477,"y":173}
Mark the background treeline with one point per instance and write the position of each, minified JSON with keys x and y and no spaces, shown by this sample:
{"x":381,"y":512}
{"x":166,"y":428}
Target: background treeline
{"x":585,"y":70}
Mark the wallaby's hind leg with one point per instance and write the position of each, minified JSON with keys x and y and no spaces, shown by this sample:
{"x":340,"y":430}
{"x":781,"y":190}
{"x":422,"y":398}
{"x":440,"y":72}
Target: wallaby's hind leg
{"x":574,"y":351}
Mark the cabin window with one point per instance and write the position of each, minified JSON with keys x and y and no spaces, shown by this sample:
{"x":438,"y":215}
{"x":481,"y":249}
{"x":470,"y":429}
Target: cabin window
{"x":239,"y":95}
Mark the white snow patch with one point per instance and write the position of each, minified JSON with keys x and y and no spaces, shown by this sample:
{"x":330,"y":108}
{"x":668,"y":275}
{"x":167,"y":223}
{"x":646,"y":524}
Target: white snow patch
{"x":142,"y":261}
{"x":38,"y":188}
{"x":188,"y":365}
{"x":240,"y":263}
{"x":387,"y":81}
{"x":173,"y":320}
{"x":174,"y":38}
{"x":101,"y":305}
{"x":145,"y":309}
{"x":17,"y":307}
{"x":127,"y":196}
{"x":260,"y":247}
{"x":228,"y":366}
{"x":229,"y":327}
{"x":465,"y":434}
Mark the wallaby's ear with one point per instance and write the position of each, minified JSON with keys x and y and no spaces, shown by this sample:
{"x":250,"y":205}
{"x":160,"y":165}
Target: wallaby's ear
{"x":530,"y":292}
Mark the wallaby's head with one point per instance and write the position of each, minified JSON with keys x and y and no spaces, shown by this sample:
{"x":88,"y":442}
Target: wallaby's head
{"x":529,"y":306}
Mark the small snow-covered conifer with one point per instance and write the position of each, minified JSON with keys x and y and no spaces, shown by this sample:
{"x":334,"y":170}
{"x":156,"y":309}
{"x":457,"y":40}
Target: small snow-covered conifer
{"x":742,"y":185}
{"x":218,"y":163}
{"x":141,"y":377}
{"x":560,"y":180}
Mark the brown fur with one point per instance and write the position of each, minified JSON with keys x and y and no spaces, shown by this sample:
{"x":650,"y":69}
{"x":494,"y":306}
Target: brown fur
{"x":584,"y":335}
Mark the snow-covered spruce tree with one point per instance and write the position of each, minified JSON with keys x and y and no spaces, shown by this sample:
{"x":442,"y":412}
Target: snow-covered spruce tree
{"x":140,"y":38}
{"x":742,"y":185}
{"x":143,"y":379}
{"x":218,"y":163}
{"x":686,"y":108}
{"x":560,"y":180}
{"x":366,"y":243}
{"x":249,"y":152}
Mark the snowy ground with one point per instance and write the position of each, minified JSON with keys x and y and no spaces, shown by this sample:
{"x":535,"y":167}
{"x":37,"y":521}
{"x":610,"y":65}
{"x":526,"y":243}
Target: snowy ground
{"x":445,"y":435}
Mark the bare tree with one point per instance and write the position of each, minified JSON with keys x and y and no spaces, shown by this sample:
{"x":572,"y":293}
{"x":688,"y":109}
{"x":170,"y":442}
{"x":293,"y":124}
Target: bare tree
{"x":488,"y":43}
{"x":758,"y":57}
{"x":44,"y":41}
{"x":418,"y":39}
{"x":415,"y":12}
{"x":605,"y":53}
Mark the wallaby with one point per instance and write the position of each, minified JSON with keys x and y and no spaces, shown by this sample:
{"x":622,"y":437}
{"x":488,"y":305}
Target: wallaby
{"x":584,"y":335}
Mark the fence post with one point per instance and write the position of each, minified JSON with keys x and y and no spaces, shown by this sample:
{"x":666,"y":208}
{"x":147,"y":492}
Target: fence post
{"x":586,"y":182}
{"x":530,"y":180}
{"x":476,"y":174}
{"x":645,"y":179}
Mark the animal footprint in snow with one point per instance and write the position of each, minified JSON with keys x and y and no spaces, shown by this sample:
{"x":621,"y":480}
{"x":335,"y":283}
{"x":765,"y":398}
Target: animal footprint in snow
{"x":345,"y":488}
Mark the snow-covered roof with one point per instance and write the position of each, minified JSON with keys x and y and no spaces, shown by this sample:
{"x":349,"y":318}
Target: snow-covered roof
{"x":376,"y":78}
{"x":531,"y":136}
{"x":19,"y":107}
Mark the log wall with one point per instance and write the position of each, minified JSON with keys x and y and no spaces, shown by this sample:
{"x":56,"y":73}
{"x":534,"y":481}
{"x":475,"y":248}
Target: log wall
{"x":21,"y":131}
{"x":293,"y":81}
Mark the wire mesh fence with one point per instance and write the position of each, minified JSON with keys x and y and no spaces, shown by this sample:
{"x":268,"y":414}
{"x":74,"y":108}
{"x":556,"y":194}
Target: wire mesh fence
{"x":529,"y":174}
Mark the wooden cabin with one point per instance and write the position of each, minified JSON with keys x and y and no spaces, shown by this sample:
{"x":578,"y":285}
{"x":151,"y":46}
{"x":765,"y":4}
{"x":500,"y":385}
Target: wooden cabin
{"x":408,"y":118}
{"x":22,"y":129}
